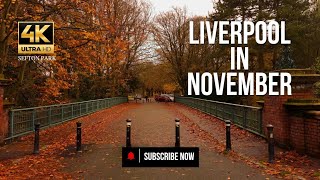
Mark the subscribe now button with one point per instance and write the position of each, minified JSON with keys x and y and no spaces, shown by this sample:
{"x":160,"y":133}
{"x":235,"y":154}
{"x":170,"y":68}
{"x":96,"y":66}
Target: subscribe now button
{"x":160,"y":157}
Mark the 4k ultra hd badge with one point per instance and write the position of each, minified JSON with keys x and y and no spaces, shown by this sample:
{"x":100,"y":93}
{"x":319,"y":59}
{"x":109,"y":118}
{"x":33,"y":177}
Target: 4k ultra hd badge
{"x":36,"y":37}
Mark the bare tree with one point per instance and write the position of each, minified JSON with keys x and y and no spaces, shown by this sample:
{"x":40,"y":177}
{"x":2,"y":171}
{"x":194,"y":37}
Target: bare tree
{"x":170,"y":32}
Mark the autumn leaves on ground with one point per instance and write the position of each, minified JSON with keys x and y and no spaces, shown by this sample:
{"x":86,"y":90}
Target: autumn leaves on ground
{"x":17,"y":159}
{"x":58,"y":157}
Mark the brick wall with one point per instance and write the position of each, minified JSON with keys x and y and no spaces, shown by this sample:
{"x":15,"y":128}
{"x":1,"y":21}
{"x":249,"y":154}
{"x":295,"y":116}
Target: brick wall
{"x":275,"y":113}
{"x":297,"y":137}
{"x":305,"y":135}
{"x":293,"y":129}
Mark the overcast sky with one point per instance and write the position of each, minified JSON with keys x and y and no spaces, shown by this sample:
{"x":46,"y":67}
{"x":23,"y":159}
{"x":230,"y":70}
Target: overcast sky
{"x":194,"y":7}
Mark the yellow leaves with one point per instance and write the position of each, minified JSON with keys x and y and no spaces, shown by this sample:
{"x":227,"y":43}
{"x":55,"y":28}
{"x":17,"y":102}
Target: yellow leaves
{"x":88,"y":35}
{"x":89,"y":41}
{"x":169,"y":88}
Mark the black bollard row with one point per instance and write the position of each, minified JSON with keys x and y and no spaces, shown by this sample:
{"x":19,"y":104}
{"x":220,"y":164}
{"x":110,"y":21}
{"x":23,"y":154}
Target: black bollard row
{"x":177,"y":132}
{"x":36,"y":138}
{"x":128,"y":139}
{"x":228,"y":135}
{"x":270,"y":143}
{"x":79,"y":149}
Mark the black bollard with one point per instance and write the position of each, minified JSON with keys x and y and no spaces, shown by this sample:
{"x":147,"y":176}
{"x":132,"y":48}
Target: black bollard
{"x":270,"y":143}
{"x":228,"y":135}
{"x":36,"y":138}
{"x":177,"y":132}
{"x":79,"y":149}
{"x":128,"y":140}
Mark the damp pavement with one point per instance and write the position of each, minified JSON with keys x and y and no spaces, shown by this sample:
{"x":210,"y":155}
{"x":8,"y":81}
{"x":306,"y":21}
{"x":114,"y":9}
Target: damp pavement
{"x":153,"y":125}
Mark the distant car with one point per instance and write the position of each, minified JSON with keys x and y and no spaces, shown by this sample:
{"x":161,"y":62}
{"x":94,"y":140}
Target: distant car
{"x":163,"y":98}
{"x":171,"y":96}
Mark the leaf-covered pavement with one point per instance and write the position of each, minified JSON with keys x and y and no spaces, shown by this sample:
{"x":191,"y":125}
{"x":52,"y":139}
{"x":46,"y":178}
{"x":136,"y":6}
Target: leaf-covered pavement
{"x":153,"y":125}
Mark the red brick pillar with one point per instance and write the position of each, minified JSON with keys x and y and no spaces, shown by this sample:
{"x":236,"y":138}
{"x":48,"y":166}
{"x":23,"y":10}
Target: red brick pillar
{"x":3,"y":112}
{"x":275,"y":111}
{"x":304,"y":132}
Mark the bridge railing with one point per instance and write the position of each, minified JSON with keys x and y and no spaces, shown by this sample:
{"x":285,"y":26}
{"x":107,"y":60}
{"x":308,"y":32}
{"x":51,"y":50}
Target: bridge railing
{"x":21,"y":121}
{"x":246,"y":117}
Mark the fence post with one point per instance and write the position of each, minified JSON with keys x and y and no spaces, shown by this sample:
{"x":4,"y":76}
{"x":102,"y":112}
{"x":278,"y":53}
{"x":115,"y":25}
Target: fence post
{"x":207,"y":107}
{"x":228,"y":135}
{"x":72,"y":113}
{"x":33,"y":117}
{"x":270,"y":143}
{"x":49,"y":118}
{"x":11,"y":123}
{"x":62,"y":113}
{"x":244,"y":117}
{"x":177,"y":132}
{"x":128,"y":139}
{"x":87,"y":108}
{"x":78,"y":136}
{"x":36,"y":138}
{"x":216,"y":109}
{"x":233,"y":114}
{"x":223,"y":113}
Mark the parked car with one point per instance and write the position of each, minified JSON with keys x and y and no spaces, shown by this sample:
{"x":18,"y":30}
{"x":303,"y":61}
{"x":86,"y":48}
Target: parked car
{"x":171,"y":96}
{"x":163,"y":98}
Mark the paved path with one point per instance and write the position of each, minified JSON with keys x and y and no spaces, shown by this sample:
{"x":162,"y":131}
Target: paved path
{"x":153,"y":125}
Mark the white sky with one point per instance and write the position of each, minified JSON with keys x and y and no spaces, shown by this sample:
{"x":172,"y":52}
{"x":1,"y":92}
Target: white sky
{"x":194,"y":7}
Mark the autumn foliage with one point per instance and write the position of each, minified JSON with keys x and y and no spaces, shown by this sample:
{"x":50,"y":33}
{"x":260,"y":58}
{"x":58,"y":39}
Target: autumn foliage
{"x":96,"y":44}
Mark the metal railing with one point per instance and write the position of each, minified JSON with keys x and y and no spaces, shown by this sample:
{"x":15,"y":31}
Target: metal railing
{"x":246,"y":117}
{"x":21,"y":121}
